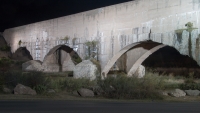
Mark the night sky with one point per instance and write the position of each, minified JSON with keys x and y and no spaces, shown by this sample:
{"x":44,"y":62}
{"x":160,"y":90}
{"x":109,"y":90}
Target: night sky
{"x":15,"y":13}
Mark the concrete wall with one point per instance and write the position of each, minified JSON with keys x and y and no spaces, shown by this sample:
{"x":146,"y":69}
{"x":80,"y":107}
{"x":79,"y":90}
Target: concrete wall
{"x":113,"y":26}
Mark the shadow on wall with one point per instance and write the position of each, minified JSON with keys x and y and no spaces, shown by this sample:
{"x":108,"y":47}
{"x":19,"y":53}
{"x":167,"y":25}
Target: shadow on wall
{"x":168,"y":60}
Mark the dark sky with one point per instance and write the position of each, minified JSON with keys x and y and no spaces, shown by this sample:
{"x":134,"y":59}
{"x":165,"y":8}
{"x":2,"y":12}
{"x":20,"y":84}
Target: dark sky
{"x":14,"y":13}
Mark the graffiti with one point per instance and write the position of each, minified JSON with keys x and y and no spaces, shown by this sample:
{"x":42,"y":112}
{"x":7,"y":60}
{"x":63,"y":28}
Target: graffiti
{"x":37,"y":49}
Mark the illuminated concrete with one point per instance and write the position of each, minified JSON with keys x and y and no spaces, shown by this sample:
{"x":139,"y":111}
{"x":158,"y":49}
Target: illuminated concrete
{"x":114,"y":27}
{"x":142,"y":58}
{"x":59,"y":59}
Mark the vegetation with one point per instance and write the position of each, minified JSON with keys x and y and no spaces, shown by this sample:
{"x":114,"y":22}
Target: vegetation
{"x":66,"y":38}
{"x":117,"y":87}
{"x":41,"y":83}
{"x":75,"y":58}
{"x":71,"y":84}
{"x":34,"y":80}
{"x":189,"y":28}
{"x":5,"y":64}
{"x":95,"y":62}
{"x":190,"y":83}
{"x":91,"y":45}
{"x":20,"y":42}
{"x":131,"y":87}
{"x":5,"y":48}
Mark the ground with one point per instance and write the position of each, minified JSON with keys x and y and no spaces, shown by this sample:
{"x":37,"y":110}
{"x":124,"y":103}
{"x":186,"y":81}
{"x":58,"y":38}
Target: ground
{"x":67,"y":96}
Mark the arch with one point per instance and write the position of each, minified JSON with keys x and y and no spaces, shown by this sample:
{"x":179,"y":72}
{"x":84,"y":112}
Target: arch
{"x":115,"y":57}
{"x":64,"y":47}
{"x":142,"y":58}
{"x":60,"y":58}
{"x":134,"y":54}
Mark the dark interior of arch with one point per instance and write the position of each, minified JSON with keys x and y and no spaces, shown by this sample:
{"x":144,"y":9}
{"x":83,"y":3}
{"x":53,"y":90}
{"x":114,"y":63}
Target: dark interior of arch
{"x":168,"y":60}
{"x":74,"y":55}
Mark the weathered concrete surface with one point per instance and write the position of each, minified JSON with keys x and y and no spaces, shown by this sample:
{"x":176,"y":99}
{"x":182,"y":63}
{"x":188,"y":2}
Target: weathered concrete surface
{"x":68,"y":65}
{"x":114,"y":27}
{"x":115,"y":58}
{"x":140,"y":72}
{"x":139,"y":61}
{"x":50,"y":64}
{"x":59,"y":59}
{"x":134,"y":54}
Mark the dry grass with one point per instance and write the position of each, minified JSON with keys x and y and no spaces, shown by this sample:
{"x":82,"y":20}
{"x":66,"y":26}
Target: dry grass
{"x":177,"y":72}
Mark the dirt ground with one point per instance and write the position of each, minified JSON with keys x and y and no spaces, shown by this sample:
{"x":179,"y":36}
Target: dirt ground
{"x":69,"y":96}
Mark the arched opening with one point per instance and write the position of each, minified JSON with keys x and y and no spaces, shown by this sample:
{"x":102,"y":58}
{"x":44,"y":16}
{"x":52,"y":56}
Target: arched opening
{"x":61,"y":58}
{"x":131,"y":56}
{"x":152,"y":55}
{"x":168,"y":60}
{"x":126,"y":61}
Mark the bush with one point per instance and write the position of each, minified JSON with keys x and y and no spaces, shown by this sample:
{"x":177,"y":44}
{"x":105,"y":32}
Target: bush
{"x":5,"y":64}
{"x":130,"y":87}
{"x":11,"y":78}
{"x":35,"y":80}
{"x":1,"y":81}
{"x":71,"y":84}
{"x":190,"y":84}
{"x":40,"y":89}
{"x":40,"y":83}
{"x":5,"y":48}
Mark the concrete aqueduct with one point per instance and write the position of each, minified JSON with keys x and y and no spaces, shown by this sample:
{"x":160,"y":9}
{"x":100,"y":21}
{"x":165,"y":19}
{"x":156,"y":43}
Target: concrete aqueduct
{"x":121,"y":32}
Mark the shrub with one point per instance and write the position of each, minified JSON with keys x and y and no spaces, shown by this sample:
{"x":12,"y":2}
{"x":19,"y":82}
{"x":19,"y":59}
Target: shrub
{"x":189,"y":25}
{"x":71,"y":84}
{"x":192,"y":86}
{"x":189,"y":83}
{"x":130,"y":87}
{"x":1,"y":81}
{"x":5,"y":48}
{"x":5,"y":64}
{"x":40,"y":89}
{"x":76,"y":59}
{"x":34,"y":80}
{"x":12,"y":78}
{"x":19,"y":62}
